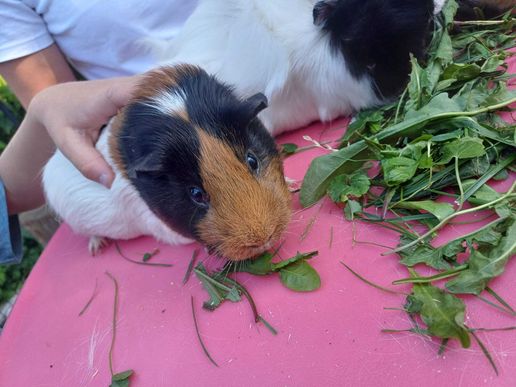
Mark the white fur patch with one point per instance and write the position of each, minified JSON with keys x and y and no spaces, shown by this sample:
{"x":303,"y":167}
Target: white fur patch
{"x":259,"y":47}
{"x":93,"y":210}
{"x":169,"y":102}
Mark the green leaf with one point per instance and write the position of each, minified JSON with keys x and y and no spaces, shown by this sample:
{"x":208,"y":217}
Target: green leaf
{"x":289,"y":148}
{"x":300,"y":276}
{"x":397,"y":170}
{"x":424,"y":254}
{"x":488,"y":261}
{"x":418,"y":87}
{"x":261,"y":265}
{"x":492,"y":64}
{"x":483,"y":193}
{"x":442,"y":312}
{"x":345,"y":186}
{"x":501,"y":175}
{"x":299,"y":256}
{"x":454,"y":134}
{"x":461,"y":71}
{"x":233,"y":295}
{"x":445,"y":50}
{"x":462,"y":148}
{"x":437,"y":106}
{"x":449,"y":10}
{"x":451,"y":249}
{"x":425,"y":162}
{"x":478,"y":188}
{"x":216,"y":297}
{"x":366,"y":119}
{"x":439,"y":210}
{"x":121,"y":379}
{"x":352,"y":207}
{"x":217,"y":290}
{"x":122,"y":375}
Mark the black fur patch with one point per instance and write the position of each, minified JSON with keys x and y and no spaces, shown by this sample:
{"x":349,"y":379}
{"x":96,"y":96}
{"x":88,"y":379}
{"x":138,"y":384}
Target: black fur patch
{"x":160,"y":152}
{"x":376,"y":37}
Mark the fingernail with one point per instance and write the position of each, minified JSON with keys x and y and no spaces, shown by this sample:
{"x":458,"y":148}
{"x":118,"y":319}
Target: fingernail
{"x":104,"y":180}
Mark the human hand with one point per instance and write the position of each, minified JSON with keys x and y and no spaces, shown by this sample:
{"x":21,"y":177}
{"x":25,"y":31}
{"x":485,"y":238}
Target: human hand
{"x":73,"y":114}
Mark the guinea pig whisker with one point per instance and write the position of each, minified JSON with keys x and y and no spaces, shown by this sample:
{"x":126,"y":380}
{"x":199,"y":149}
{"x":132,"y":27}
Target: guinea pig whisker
{"x":191,"y":220}
{"x":296,"y":220}
{"x":299,"y":211}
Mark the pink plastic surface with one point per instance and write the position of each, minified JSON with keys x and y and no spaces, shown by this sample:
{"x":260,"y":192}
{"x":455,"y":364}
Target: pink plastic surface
{"x":328,"y":337}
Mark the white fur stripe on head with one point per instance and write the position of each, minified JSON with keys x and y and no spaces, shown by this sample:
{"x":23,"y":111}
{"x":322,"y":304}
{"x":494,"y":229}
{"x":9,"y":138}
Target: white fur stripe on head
{"x":169,"y":102}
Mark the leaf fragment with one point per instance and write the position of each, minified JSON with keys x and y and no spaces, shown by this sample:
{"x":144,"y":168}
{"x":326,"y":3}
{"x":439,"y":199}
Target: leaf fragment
{"x":443,"y":313}
{"x":462,"y":148}
{"x":439,"y":210}
{"x":300,"y":276}
{"x":487,"y":262}
{"x":289,"y":149}
{"x":344,"y":187}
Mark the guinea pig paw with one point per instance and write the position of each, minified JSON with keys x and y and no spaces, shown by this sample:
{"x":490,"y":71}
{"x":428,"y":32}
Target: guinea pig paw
{"x":96,"y":244}
{"x":293,"y":185}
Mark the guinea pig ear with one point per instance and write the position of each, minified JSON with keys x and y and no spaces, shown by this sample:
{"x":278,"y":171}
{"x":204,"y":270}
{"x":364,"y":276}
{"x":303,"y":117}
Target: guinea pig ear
{"x":256,"y":104}
{"x":248,"y":110}
{"x":147,"y":164}
{"x":322,"y":11}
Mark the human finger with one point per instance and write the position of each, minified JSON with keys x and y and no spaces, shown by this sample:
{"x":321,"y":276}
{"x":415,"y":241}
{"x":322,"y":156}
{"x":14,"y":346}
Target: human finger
{"x":79,"y":148}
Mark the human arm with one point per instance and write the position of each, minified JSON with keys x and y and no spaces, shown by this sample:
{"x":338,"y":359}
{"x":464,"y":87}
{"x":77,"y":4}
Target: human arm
{"x":28,"y":75}
{"x":68,"y":115}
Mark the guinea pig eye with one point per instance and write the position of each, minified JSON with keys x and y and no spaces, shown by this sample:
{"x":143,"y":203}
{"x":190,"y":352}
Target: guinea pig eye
{"x":199,"y":196}
{"x":252,"y":161}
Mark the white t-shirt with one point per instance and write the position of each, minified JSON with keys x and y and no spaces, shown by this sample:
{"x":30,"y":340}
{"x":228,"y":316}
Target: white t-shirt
{"x":100,"y":38}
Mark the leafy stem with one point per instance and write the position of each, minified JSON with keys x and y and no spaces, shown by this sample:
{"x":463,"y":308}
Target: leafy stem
{"x":119,"y":250}
{"x":437,"y":277}
{"x":450,"y":217}
{"x":115,"y":309}
{"x":459,"y":183}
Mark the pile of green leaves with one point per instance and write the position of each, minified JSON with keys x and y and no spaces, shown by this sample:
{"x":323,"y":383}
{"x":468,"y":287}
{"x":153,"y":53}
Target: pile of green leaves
{"x":444,"y":119}
{"x":295,"y":273}
{"x":442,"y":137}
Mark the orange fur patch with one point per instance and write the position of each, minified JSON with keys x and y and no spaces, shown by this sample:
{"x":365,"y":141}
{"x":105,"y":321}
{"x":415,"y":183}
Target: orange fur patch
{"x":114,"y":150}
{"x":162,"y":78}
{"x":247,"y":212}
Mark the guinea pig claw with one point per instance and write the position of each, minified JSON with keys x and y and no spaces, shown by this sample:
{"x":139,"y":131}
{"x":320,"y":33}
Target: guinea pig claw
{"x":96,"y":243}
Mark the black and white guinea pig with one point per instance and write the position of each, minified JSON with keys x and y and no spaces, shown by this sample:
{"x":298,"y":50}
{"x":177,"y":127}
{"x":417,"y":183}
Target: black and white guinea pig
{"x":314,"y":60}
{"x":191,"y":161}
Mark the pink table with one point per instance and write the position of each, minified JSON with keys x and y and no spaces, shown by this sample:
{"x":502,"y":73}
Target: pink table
{"x":328,"y":337}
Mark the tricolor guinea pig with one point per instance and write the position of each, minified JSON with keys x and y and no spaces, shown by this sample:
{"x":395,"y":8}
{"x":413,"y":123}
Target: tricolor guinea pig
{"x":192,"y":162}
{"x":314,"y":60}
